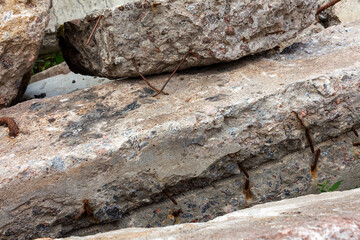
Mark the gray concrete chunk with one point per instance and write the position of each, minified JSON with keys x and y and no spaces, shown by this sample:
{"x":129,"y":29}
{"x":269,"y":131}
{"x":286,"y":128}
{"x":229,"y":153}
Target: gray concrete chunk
{"x":158,"y":37}
{"x":22,"y":28}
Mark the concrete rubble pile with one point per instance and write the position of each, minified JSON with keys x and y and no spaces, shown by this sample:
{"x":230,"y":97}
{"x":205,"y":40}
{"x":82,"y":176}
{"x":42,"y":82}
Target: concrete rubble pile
{"x":158,"y":35}
{"x":114,"y":157}
{"x":22,"y":28}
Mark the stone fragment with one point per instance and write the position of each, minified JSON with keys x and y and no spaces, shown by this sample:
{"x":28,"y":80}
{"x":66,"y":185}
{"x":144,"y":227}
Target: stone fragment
{"x":21,"y":33}
{"x":119,"y":148}
{"x":332,"y":215}
{"x":60,"y":69}
{"x":158,"y":37}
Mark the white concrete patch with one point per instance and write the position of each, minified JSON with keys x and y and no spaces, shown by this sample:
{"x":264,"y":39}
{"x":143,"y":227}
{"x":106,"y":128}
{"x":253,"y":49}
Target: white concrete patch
{"x":67,"y":10}
{"x":62,"y":84}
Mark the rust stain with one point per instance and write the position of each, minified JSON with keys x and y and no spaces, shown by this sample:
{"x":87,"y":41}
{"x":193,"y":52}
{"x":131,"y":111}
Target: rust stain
{"x":86,"y":211}
{"x":247,"y":192}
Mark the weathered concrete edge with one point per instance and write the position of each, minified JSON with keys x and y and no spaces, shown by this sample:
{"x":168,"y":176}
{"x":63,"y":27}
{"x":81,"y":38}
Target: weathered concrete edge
{"x":267,"y":210}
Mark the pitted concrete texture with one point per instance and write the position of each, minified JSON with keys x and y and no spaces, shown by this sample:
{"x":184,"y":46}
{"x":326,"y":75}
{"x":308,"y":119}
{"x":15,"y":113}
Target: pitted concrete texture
{"x":22,"y":28}
{"x":158,"y":37}
{"x":334,"y":215}
{"x":106,"y":158}
{"x":68,"y":10}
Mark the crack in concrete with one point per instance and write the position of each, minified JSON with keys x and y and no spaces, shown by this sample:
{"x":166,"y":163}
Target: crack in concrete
{"x":229,"y":184}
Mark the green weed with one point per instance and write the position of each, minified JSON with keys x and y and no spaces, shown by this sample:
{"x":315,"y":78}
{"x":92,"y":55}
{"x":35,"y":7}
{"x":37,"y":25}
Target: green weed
{"x":44,"y":63}
{"x":327,"y":187}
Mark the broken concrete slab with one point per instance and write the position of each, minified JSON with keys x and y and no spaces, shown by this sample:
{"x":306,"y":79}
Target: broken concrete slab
{"x":332,"y":215}
{"x":158,"y":37}
{"x":100,"y":159}
{"x":345,"y":11}
{"x":21,"y":34}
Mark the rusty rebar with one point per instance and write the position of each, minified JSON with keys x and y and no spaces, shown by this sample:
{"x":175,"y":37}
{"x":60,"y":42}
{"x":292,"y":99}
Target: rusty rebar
{"x":241,"y":167}
{"x":170,"y":197}
{"x":317,"y":156}
{"x":11,"y":124}
{"x":308,"y":136}
{"x":147,"y":82}
{"x":331,"y":3}
{"x":182,"y":61}
{"x":93,"y":31}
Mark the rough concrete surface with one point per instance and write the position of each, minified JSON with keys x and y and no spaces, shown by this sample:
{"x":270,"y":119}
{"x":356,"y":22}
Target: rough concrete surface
{"x":100,"y":159}
{"x":158,"y":37}
{"x":333,"y":215}
{"x":22,"y":29}
{"x":68,"y":10}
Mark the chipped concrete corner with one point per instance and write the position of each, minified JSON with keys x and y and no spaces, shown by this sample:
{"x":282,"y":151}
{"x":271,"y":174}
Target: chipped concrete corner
{"x":118,"y":148}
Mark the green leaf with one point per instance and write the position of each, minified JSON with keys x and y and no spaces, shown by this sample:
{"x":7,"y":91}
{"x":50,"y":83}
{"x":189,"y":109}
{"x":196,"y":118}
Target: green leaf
{"x":47,"y":65}
{"x":335,"y":186}
{"x":44,"y":63}
{"x":324,"y":187}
